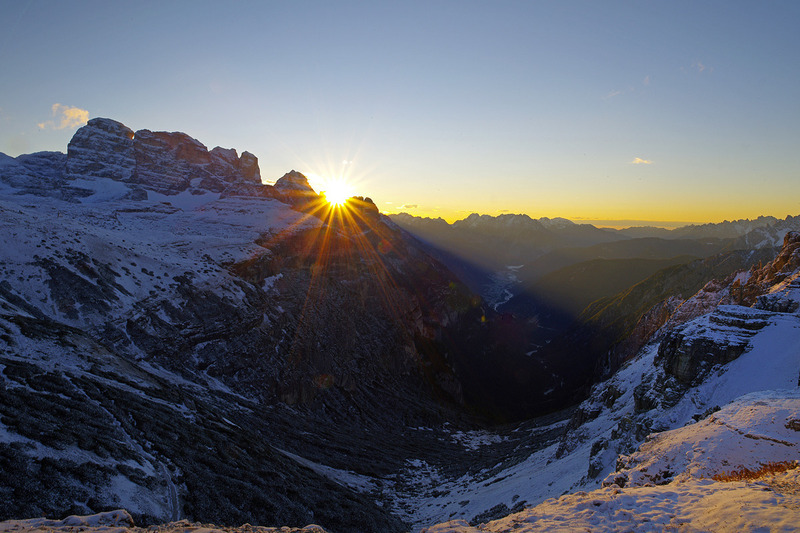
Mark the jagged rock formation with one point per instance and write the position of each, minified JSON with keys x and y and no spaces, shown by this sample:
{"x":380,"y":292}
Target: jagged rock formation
{"x":165,"y":162}
{"x":294,"y":188}
{"x":690,"y":352}
{"x":771,"y":278}
{"x":103,"y":148}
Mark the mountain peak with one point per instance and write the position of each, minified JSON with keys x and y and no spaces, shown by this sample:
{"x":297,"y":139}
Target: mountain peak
{"x":167,"y":162}
{"x":293,"y":181}
{"x":295,"y":189}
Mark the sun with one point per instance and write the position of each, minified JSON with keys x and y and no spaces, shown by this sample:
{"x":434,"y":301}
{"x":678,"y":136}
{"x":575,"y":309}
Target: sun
{"x":337,"y":192}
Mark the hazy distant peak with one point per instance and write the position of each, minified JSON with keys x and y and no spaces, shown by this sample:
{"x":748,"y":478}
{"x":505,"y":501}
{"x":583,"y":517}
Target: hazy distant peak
{"x":500,"y":221}
{"x":557,"y":222}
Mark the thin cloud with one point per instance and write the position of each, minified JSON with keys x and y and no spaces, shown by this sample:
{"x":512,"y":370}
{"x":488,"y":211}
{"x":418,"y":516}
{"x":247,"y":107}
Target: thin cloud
{"x":65,"y":117}
{"x":612,"y":94}
{"x":640,"y":161}
{"x":646,"y":80}
{"x":701,"y":67}
{"x":408,"y":206}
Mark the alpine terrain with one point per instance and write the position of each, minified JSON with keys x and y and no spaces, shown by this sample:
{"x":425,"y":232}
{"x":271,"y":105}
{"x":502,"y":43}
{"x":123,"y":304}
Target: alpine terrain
{"x":181,"y":343}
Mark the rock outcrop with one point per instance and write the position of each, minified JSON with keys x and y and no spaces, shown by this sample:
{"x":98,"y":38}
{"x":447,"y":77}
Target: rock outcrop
{"x":294,"y":188}
{"x":166,"y":162}
{"x":690,"y":352}
{"x":212,"y":339}
{"x":763,"y":283}
{"x":104,"y":149}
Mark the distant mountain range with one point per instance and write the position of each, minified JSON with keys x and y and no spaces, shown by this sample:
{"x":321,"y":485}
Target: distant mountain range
{"x":494,"y":242}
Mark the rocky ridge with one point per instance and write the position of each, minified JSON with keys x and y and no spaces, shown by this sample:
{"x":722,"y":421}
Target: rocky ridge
{"x":769,"y":286}
{"x":165,"y":162}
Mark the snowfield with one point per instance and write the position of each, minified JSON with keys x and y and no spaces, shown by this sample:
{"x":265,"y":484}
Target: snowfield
{"x":679,"y":480}
{"x":696,"y":505}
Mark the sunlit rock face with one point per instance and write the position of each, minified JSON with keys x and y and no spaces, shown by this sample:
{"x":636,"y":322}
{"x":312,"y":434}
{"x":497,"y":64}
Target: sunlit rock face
{"x":776,"y":287}
{"x":294,"y":189}
{"x":293,"y":181}
{"x":167,"y":162}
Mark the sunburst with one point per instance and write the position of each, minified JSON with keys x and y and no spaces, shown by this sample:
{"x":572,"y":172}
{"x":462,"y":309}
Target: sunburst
{"x":337,"y":192}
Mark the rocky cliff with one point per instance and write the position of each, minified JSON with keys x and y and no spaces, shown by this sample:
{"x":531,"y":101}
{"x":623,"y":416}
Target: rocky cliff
{"x":164,"y":162}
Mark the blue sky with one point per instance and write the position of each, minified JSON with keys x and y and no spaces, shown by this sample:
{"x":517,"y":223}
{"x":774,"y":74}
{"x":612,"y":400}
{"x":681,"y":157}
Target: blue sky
{"x":683,"y":111}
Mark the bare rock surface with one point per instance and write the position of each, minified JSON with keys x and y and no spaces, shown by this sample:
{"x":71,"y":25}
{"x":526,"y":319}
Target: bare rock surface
{"x":166,"y":162}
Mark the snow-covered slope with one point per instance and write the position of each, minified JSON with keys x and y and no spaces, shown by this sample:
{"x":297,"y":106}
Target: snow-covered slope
{"x":736,"y":470}
{"x":701,"y":366}
{"x":198,"y":345}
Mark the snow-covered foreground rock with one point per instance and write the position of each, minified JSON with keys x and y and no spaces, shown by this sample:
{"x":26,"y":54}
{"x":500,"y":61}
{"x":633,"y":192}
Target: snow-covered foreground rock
{"x":736,"y":470}
{"x":642,"y":398}
{"x":696,"y":505}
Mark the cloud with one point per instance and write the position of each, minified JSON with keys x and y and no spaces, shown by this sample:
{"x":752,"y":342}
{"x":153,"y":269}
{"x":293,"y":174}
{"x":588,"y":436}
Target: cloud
{"x":612,"y":94}
{"x":65,"y":117}
{"x":701,"y":67}
{"x":408,"y":206}
{"x":640,"y":161}
{"x":646,"y":80}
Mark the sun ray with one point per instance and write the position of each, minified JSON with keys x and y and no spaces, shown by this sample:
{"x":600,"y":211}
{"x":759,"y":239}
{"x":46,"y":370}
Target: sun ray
{"x":337,"y":192}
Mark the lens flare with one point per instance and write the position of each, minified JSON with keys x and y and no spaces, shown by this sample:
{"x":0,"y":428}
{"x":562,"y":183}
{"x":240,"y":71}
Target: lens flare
{"x":337,"y":192}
